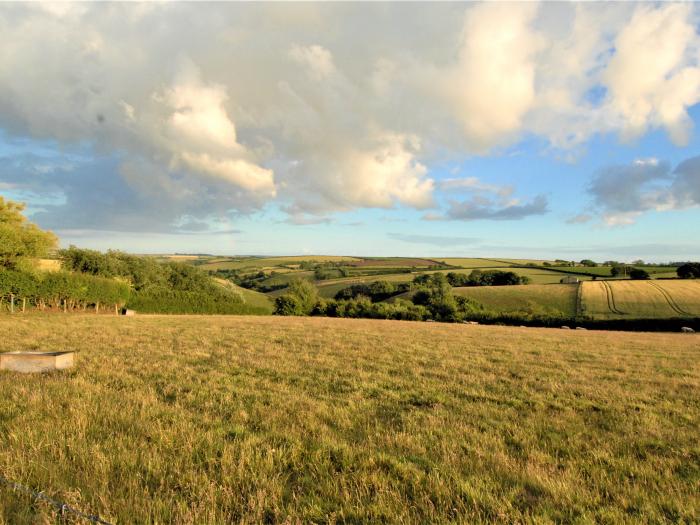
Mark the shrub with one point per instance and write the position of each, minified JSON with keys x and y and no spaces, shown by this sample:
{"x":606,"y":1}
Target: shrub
{"x":639,"y":274}
{"x":689,"y":271}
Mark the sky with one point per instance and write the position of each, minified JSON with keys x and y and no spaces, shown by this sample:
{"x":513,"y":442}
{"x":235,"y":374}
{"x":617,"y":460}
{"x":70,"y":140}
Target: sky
{"x":527,"y":130}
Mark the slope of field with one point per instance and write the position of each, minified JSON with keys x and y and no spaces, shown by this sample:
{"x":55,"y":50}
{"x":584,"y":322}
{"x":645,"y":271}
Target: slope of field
{"x":467,"y":262}
{"x":251,"y":297}
{"x":604,"y":271}
{"x":640,"y":299}
{"x":329,"y":288}
{"x":249,"y":420}
{"x":559,"y":299}
{"x":271,"y":262}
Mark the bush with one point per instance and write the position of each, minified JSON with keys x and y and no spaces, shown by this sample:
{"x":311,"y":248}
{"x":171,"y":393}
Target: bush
{"x":300,"y":299}
{"x":689,"y":271}
{"x":169,"y":301}
{"x":639,"y":274}
{"x":63,"y":289}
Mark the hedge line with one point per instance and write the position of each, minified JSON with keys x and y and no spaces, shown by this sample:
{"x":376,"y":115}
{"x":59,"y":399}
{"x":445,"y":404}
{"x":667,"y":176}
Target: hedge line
{"x":65,"y":290}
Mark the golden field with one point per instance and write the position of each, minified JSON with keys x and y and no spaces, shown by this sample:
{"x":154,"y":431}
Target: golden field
{"x":187,"y":419}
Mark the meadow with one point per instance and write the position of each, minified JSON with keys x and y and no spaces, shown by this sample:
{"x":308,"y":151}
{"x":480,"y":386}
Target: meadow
{"x":558,"y":299}
{"x":206,"y":419}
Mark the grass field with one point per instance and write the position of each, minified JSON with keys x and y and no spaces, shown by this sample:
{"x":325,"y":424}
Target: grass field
{"x":251,"y":297}
{"x":559,"y":299}
{"x":640,"y":299}
{"x":248,"y":420}
{"x":271,"y":262}
{"x":329,"y":288}
{"x":604,"y":271}
{"x":466,"y":262}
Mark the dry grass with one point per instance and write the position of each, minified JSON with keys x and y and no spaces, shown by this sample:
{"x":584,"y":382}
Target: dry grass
{"x":250,"y":420}
{"x":48,"y":265}
{"x":640,"y":299}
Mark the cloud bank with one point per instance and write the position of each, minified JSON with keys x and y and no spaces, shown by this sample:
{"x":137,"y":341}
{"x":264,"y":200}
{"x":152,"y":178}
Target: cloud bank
{"x":175,"y":111}
{"x":623,"y":193}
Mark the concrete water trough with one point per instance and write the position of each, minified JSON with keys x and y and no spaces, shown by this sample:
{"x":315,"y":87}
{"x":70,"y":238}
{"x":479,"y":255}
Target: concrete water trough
{"x":29,"y":362}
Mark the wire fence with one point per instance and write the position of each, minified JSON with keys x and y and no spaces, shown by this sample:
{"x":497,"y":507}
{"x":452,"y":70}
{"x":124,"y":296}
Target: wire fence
{"x":63,"y":509}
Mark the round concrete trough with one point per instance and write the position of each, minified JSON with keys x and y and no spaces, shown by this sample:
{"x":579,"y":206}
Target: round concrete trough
{"x":28,"y":362}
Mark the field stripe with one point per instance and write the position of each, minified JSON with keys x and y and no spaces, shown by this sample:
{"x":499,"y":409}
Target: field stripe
{"x":611,"y":299}
{"x":671,"y":302}
{"x":578,"y":310}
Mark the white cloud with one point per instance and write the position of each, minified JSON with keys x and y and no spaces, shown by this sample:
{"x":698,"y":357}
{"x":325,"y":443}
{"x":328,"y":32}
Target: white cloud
{"x":230,"y":107}
{"x":653,"y":76}
{"x":493,"y":85}
{"x":317,"y":60}
{"x":475,"y":185}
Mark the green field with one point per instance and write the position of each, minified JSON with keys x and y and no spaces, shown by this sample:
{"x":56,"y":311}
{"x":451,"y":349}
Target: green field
{"x":329,"y":288}
{"x":604,"y":271}
{"x":202,"y":419}
{"x":640,"y":299}
{"x":251,"y":297}
{"x":536,"y":275}
{"x":270,"y":262}
{"x":553,"y":299}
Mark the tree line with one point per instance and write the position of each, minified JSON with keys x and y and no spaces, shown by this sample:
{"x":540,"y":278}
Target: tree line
{"x":432,"y":299}
{"x":90,"y":279}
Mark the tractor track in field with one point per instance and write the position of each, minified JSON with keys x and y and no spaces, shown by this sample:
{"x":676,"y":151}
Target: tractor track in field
{"x":670,"y":300}
{"x":611,"y":299}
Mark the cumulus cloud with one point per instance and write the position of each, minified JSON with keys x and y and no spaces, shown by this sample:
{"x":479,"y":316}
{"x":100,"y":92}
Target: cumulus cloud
{"x":484,"y":208}
{"x":473,"y":184}
{"x":623,"y":193}
{"x":226,"y":109}
{"x":492,"y":85}
{"x":654,"y":74}
{"x":487,"y":201}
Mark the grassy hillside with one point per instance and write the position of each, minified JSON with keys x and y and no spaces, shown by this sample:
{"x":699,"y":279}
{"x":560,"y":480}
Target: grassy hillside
{"x":640,"y":299}
{"x":250,"y":297}
{"x":258,"y":419}
{"x":269,"y":262}
{"x":559,"y":299}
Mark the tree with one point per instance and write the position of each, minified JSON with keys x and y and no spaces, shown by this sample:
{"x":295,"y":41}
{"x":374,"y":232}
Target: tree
{"x":288,"y":305}
{"x":623,"y":270}
{"x":20,"y":240}
{"x":639,"y":274}
{"x":300,"y":299}
{"x":689,"y":271}
{"x":589,"y":263}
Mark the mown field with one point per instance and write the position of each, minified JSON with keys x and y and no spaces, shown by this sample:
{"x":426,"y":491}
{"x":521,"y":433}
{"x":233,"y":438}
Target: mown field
{"x":284,"y":420}
{"x":640,"y":299}
{"x":543,"y":299}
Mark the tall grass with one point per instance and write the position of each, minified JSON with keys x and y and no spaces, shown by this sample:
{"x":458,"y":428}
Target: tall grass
{"x":286,"y":420}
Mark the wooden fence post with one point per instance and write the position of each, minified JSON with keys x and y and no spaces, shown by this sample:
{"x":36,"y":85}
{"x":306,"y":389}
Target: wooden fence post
{"x":12,"y":303}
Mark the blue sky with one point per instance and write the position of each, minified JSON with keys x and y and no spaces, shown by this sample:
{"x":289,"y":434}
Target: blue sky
{"x":569,"y":131}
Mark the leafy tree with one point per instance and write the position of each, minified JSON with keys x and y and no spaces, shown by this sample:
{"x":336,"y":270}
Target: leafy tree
{"x":618,"y":270}
{"x":300,"y":299}
{"x":689,"y":270}
{"x":639,"y":274}
{"x":20,"y":240}
{"x":589,"y":263}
